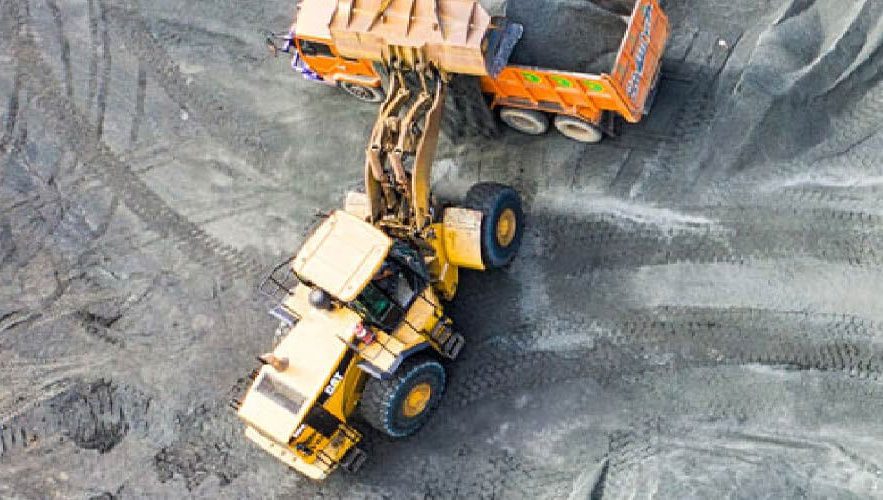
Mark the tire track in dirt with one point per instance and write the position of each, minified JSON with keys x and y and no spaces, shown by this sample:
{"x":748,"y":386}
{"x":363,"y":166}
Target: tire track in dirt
{"x":140,"y":99}
{"x":97,"y":157}
{"x":631,"y":450}
{"x":687,"y":129}
{"x":107,"y":63}
{"x":502,"y":474}
{"x":209,"y":443}
{"x":634,"y":344}
{"x":64,"y":43}
{"x":12,"y":111}
{"x":92,"y":85}
{"x":198,"y":103}
{"x":739,"y":233}
{"x":686,"y":420}
{"x":457,"y":470}
{"x":95,"y":416}
{"x":637,"y":445}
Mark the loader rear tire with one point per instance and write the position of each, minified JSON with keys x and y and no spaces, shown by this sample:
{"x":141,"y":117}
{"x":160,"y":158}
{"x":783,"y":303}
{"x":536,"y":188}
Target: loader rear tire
{"x":578,"y":130}
{"x":363,"y":93}
{"x":526,"y":121}
{"x":502,"y":222}
{"x":399,"y":406}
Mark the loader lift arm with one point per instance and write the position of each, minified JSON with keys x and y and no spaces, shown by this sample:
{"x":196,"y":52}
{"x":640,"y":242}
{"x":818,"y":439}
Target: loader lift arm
{"x":402,"y":147}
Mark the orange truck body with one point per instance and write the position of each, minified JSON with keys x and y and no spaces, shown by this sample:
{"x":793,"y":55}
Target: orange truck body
{"x":624,"y":91}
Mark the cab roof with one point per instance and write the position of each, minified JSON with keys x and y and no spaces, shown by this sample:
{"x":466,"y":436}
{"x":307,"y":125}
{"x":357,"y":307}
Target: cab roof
{"x":342,"y":255}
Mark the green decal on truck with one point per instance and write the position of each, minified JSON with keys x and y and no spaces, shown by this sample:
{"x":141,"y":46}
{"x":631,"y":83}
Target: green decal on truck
{"x":562,"y":82}
{"x":593,"y":86}
{"x":531,"y":77}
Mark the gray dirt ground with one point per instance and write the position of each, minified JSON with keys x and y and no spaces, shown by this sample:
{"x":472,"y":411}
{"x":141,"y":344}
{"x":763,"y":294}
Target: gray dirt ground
{"x":695,"y":313}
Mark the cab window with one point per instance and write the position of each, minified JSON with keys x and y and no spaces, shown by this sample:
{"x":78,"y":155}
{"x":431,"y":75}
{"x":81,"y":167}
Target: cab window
{"x":377,"y":307}
{"x":314,"y":49}
{"x":387,"y":297}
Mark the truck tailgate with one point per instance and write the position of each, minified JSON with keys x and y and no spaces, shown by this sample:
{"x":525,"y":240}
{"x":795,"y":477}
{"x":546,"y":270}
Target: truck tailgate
{"x":640,"y":56}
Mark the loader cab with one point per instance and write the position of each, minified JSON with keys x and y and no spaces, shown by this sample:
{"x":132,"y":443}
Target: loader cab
{"x":400,"y":281}
{"x":363,"y":269}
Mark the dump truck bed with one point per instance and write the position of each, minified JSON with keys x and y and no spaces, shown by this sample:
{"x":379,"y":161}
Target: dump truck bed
{"x":624,"y":89}
{"x":552,"y":67}
{"x":572,"y":36}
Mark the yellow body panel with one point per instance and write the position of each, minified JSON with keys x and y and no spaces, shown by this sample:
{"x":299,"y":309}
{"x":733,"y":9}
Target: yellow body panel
{"x":462,"y":238}
{"x":383,"y":352}
{"x":358,"y":205}
{"x":420,"y":316}
{"x":284,"y":454}
{"x":272,"y":419}
{"x":445,"y":274}
{"x":313,"y":349}
{"x":342,"y":255}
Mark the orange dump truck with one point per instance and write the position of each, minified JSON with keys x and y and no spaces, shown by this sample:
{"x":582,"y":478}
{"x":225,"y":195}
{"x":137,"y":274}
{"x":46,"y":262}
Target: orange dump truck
{"x":525,"y":96}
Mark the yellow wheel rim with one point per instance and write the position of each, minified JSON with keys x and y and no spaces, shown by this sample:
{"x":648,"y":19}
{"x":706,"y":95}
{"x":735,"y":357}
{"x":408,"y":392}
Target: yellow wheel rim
{"x":417,"y":400}
{"x":507,"y":226}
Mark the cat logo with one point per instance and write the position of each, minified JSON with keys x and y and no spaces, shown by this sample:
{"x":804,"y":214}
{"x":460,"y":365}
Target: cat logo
{"x":333,"y":383}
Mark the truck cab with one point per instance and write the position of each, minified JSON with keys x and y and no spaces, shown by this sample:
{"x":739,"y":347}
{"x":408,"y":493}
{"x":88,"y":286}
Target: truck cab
{"x":315,"y":55}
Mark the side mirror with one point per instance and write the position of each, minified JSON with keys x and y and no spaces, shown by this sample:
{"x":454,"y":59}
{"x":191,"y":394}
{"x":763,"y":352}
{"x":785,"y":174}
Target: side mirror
{"x":273,"y":41}
{"x":271,"y":46}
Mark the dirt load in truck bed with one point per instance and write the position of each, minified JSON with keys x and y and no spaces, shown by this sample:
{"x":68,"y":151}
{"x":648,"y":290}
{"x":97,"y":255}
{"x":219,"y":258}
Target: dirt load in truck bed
{"x":570,"y":35}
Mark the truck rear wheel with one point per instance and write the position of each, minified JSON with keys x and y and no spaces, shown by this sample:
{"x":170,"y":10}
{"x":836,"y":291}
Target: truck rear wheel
{"x":363,"y":93}
{"x":502,"y":222}
{"x":578,"y":130}
{"x":400,"y":405}
{"x":526,"y":121}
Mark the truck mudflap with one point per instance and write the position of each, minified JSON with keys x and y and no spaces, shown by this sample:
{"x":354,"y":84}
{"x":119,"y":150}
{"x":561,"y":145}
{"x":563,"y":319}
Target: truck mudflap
{"x":640,"y":56}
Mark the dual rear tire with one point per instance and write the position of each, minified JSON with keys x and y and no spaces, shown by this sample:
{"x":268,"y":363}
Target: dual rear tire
{"x":533,"y":122}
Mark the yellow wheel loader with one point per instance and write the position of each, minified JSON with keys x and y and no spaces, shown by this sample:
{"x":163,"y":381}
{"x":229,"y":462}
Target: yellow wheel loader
{"x":362,"y":303}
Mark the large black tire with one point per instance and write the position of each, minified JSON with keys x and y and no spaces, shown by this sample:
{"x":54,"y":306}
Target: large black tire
{"x":526,"y":121}
{"x":578,"y":130}
{"x":384,"y":403}
{"x":363,"y":93}
{"x":498,"y":204}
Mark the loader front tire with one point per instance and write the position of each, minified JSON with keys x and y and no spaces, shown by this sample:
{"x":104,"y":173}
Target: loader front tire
{"x":400,"y":405}
{"x":502,"y":221}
